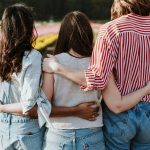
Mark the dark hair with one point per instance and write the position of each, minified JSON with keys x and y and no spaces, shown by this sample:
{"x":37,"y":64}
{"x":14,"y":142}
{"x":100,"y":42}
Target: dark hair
{"x":123,"y":7}
{"x":76,"y":33}
{"x":17,"y":36}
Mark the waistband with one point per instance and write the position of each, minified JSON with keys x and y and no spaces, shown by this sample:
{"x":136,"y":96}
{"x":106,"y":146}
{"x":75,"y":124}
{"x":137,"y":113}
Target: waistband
{"x":95,"y":129}
{"x":7,"y":118}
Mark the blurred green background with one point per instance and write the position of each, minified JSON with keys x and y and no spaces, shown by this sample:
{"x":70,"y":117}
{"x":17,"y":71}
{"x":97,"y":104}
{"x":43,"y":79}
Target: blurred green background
{"x":55,"y":9}
{"x":49,"y":13}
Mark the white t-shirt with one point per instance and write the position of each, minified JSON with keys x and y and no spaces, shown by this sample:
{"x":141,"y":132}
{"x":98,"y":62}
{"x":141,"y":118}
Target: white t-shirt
{"x":69,"y":94}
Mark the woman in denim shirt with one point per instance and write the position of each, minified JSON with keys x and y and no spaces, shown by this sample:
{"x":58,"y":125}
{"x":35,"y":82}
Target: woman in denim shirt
{"x":20,"y":71}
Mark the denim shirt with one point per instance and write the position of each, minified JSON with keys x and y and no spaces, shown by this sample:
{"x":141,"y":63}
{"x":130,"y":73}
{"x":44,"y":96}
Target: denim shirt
{"x":24,"y":86}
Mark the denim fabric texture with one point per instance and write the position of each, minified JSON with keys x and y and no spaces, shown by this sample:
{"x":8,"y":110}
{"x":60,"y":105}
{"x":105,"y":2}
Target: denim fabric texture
{"x":128,"y":130}
{"x":79,"y":139}
{"x":20,"y":133}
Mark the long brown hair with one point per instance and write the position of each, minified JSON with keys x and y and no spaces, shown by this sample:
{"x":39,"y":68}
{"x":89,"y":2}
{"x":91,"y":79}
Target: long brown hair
{"x":16,"y":37}
{"x":123,"y":7}
{"x":76,"y":33}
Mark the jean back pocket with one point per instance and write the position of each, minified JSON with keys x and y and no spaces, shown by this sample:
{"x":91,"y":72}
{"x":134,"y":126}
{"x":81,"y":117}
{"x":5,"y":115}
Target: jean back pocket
{"x":32,"y":141}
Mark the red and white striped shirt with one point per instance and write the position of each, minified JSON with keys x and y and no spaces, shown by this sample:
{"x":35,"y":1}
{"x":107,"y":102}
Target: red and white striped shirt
{"x":122,"y":47}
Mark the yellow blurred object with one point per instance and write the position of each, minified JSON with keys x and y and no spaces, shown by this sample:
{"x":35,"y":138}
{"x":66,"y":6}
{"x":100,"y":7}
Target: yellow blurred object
{"x":44,"y":41}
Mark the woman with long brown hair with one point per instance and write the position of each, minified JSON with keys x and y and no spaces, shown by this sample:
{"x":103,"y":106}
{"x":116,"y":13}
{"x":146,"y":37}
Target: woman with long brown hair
{"x":20,"y":71}
{"x":75,"y":130}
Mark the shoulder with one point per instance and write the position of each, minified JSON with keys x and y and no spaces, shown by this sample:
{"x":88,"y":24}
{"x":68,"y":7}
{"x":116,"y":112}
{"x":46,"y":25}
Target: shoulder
{"x":63,"y":57}
{"x":34,"y":54}
{"x":112,"y":28}
{"x":33,"y":57}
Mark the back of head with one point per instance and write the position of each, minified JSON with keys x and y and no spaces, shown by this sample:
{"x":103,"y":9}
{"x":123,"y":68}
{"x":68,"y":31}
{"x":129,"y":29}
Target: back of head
{"x":16,"y":37}
{"x":123,"y":7}
{"x":75,"y":33}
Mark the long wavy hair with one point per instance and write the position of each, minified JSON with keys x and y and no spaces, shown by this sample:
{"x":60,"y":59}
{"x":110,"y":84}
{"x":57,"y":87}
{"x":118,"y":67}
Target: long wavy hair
{"x":123,"y":7}
{"x":75,"y":33}
{"x":17,"y":36}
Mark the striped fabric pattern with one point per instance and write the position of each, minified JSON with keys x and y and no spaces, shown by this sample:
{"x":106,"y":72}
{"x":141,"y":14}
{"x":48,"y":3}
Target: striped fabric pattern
{"x":122,"y":47}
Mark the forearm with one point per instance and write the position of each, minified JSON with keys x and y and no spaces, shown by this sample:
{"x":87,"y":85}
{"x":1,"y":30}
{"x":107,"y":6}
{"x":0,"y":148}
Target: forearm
{"x":118,"y":103}
{"x":76,"y":76}
{"x":130,"y":100}
{"x":63,"y":111}
{"x":124,"y":103}
{"x":12,"y":108}
{"x":50,"y":65}
{"x":16,"y":109}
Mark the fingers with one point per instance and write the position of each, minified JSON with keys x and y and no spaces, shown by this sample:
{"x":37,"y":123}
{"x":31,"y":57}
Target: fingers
{"x":95,"y":109}
{"x":49,"y":55}
{"x":93,"y":116}
{"x":52,"y":57}
{"x":92,"y":108}
{"x":50,"y":64}
{"x":45,"y":60}
{"x":47,"y":69}
{"x":92,"y":119}
{"x":49,"y":59}
{"x":92,"y":103}
{"x":90,"y":116}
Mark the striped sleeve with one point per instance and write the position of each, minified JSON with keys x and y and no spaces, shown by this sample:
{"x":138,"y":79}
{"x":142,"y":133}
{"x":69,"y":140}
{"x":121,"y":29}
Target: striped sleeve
{"x":103,"y":59}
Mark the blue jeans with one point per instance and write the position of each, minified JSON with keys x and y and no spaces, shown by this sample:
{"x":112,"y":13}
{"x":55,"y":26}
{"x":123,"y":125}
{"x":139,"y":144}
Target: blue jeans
{"x":20,"y":133}
{"x":80,"y":139}
{"x":128,"y":130}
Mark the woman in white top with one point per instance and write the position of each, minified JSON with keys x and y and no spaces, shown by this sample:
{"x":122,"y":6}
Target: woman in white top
{"x":20,"y":71}
{"x":73,"y":49}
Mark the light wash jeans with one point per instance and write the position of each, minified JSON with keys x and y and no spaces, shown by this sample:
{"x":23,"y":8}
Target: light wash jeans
{"x":20,"y":133}
{"x":80,"y":139}
{"x":128,"y":130}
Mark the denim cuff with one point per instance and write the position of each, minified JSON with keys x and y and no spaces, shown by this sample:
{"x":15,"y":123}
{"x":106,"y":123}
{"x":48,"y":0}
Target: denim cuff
{"x":44,"y":109}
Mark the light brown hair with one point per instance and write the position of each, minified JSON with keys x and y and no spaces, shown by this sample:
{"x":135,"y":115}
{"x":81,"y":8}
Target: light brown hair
{"x":123,"y":7}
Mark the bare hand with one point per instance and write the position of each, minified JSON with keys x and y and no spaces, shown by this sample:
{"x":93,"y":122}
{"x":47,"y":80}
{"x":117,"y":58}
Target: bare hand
{"x":50,"y":64}
{"x":88,"y":111}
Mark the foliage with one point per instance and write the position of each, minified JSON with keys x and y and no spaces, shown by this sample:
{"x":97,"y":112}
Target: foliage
{"x":56,"y":9}
{"x":45,"y":40}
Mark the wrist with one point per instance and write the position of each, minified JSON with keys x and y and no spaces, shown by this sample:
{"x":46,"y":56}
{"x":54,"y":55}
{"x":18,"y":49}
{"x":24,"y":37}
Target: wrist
{"x":1,"y":108}
{"x":76,"y":111}
{"x":146,"y":89}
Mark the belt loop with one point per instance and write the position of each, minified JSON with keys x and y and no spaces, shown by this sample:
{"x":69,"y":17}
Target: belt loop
{"x":74,"y":144}
{"x":74,"y":139}
{"x":9,"y":124}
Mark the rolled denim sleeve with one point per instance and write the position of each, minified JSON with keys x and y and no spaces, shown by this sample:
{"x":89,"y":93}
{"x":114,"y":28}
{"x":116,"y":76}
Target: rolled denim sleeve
{"x":44,"y":109}
{"x":30,"y":80}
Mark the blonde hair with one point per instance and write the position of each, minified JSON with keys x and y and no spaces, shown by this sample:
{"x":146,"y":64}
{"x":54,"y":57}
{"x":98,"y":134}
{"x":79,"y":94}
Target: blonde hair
{"x":123,"y":7}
